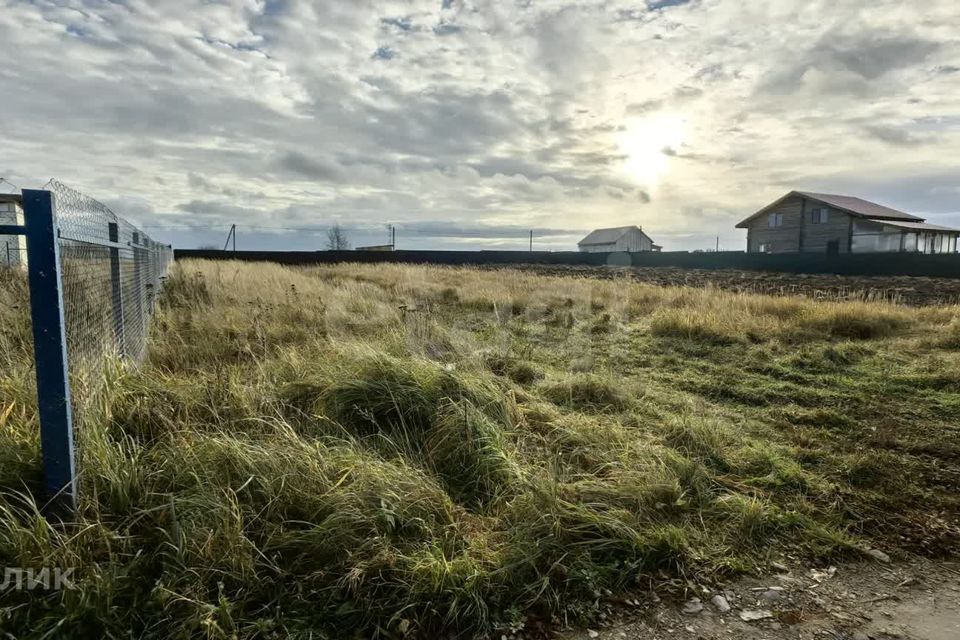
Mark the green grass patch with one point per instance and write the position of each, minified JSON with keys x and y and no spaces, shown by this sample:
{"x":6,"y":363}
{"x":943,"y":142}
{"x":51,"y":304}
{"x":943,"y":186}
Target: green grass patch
{"x":407,"y":451}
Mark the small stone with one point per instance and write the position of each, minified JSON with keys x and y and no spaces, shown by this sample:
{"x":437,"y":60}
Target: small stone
{"x":770,"y":595}
{"x":793,"y":616}
{"x":593,"y":634}
{"x":878,"y":555}
{"x":751,"y":615}
{"x":776,"y":626}
{"x":720,"y":603}
{"x":693,"y":606}
{"x":820,"y":576}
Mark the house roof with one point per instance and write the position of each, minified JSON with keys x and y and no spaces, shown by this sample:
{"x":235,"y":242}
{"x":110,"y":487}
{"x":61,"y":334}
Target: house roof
{"x":860,"y":206}
{"x":11,"y":197}
{"x":854,"y":206}
{"x":609,"y":235}
{"x":917,"y":226}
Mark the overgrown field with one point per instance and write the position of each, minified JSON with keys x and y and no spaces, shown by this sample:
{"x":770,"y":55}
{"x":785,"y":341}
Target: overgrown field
{"x":391,"y":451}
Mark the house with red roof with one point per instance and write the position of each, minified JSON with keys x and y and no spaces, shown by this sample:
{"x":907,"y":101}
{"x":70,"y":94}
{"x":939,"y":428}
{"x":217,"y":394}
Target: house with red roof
{"x":807,"y":222}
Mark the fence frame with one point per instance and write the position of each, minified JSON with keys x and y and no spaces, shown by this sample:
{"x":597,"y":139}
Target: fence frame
{"x":49,"y":325}
{"x":50,"y":349}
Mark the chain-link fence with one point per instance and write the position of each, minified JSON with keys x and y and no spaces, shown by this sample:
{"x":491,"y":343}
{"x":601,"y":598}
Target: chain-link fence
{"x":12,"y":255}
{"x":93,"y":280}
{"x":111,"y":273}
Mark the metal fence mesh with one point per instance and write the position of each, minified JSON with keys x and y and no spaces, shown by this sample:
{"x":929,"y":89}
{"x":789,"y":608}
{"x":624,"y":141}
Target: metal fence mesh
{"x":111,"y":274}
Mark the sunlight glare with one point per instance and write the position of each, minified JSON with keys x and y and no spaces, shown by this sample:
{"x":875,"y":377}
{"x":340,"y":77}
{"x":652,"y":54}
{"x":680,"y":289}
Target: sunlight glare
{"x":648,"y":143}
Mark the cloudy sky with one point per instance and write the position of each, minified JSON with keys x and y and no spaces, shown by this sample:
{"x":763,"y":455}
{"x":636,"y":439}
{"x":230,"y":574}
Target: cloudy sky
{"x":465,"y":122}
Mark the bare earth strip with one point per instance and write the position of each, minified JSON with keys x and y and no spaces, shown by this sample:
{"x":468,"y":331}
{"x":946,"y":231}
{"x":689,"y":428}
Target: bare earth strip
{"x":914,"y":291}
{"x":913,"y":600}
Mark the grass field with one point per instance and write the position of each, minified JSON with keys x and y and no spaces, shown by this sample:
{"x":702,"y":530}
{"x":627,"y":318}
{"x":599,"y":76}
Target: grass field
{"x":385,"y":450}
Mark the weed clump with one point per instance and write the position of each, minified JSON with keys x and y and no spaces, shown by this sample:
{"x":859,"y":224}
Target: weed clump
{"x":452,"y":426}
{"x":950,"y":338}
{"x":586,"y":392}
{"x":184,"y":290}
{"x":855,"y":322}
{"x":706,"y":440}
{"x":520,"y":371}
{"x":691,"y":325}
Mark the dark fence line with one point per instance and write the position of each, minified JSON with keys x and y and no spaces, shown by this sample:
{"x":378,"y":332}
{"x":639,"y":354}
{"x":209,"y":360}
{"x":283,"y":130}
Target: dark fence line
{"x":866,"y":264}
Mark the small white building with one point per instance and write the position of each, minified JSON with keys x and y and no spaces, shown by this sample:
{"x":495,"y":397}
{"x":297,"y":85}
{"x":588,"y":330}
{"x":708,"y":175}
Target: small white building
{"x":13,"y":249}
{"x":631,"y":239}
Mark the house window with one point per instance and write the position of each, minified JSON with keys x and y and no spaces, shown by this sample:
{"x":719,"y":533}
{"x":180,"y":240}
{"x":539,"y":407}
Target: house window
{"x":818,"y":215}
{"x":766,"y":247}
{"x":775,"y":220}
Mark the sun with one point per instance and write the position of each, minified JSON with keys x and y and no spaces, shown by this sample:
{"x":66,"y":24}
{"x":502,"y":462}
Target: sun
{"x":648,"y":144}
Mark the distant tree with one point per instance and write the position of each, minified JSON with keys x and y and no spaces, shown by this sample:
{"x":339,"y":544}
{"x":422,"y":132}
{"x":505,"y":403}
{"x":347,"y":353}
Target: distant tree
{"x":337,"y":239}
{"x":208,"y":247}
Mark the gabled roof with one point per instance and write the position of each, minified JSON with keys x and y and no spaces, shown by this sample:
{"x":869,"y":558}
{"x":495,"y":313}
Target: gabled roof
{"x":11,"y":197}
{"x":609,"y":235}
{"x":857,"y":207}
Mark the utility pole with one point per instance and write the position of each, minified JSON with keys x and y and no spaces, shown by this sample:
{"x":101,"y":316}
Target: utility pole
{"x":531,"y":240}
{"x":393,"y":238}
{"x":231,"y":236}
{"x":718,"y":244}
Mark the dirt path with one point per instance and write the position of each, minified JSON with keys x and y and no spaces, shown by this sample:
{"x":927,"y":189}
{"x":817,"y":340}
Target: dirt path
{"x":919,"y":600}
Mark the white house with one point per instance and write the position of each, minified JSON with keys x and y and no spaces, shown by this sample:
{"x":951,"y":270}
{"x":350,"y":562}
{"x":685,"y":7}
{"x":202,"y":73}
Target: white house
{"x":13,"y":249}
{"x":631,"y":239}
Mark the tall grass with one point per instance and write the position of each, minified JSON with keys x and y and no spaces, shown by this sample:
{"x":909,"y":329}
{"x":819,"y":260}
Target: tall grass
{"x":404,"y":451}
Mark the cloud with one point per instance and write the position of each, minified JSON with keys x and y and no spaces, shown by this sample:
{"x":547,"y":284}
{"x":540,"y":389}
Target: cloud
{"x":896,"y":136}
{"x":299,"y":165}
{"x":441,"y":114}
{"x":654,"y":5}
{"x":851,"y":63}
{"x":384,"y":53}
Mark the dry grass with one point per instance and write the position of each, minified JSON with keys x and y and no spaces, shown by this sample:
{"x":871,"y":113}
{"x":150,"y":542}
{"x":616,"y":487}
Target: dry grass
{"x":412,"y":451}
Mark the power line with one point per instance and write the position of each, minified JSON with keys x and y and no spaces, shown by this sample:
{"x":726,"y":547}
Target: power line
{"x":452,"y":233}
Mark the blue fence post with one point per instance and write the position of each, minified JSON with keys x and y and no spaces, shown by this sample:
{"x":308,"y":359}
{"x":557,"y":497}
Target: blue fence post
{"x":116,"y":288}
{"x":50,"y":352}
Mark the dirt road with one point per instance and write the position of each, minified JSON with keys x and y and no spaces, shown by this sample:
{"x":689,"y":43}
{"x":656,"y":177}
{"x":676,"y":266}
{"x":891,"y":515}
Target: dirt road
{"x":918,"y":600}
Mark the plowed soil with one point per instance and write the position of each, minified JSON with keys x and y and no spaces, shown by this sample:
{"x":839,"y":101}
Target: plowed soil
{"x":908,"y":290}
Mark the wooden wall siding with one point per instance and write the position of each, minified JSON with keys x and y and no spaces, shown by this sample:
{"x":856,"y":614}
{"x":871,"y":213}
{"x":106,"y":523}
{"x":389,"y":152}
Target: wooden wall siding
{"x":785,"y":238}
{"x":598,"y":248}
{"x":816,"y":236}
{"x":798,"y":233}
{"x":633,"y":241}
